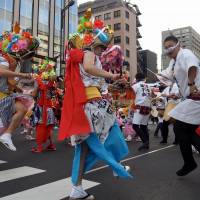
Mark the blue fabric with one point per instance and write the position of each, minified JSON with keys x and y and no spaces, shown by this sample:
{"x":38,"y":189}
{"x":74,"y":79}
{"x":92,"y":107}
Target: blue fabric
{"x":76,"y":164}
{"x":112,"y":151}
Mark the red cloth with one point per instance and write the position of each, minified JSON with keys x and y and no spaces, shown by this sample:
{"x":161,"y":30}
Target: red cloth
{"x":44,"y":131}
{"x":73,"y":117}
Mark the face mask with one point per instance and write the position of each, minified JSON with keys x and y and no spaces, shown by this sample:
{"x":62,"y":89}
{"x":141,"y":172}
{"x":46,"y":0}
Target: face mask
{"x":170,"y":49}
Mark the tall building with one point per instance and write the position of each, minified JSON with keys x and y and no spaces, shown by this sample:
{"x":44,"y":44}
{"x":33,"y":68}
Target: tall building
{"x":188,"y":38}
{"x":43,"y":19}
{"x":148,"y":60}
{"x":122,"y":17}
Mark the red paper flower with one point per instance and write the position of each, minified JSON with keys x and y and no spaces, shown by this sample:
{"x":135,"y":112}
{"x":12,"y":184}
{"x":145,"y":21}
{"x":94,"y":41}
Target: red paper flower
{"x":26,"y":34}
{"x":88,"y":39}
{"x":98,"y":24}
{"x":15,"y":48}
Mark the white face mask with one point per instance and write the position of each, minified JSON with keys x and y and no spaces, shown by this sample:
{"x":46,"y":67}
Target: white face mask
{"x":170,"y":49}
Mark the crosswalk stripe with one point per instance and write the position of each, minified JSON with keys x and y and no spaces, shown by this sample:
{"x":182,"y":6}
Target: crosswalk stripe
{"x":1,"y":161}
{"x":20,"y":172}
{"x":53,"y":191}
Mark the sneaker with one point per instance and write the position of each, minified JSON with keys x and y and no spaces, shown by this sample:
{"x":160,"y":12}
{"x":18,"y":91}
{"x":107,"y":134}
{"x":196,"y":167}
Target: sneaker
{"x":138,"y":139}
{"x":194,"y":150}
{"x":128,"y":138}
{"x":186,"y":169}
{"x":126,"y":167}
{"x":6,"y":140}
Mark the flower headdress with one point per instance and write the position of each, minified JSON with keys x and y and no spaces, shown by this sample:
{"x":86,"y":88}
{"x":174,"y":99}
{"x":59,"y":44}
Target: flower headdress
{"x":45,"y":70}
{"x":91,"y":32}
{"x":18,"y":44}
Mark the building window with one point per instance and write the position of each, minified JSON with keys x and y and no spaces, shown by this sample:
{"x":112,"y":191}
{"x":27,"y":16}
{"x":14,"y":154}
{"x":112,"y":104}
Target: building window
{"x":117,"y":13}
{"x":43,"y":27}
{"x":110,"y":26}
{"x":58,"y":7}
{"x":127,"y":14}
{"x":107,"y":16}
{"x":117,"y":39}
{"x":117,"y":27}
{"x":98,"y":17}
{"x":127,"y":27}
{"x":127,"y":53}
{"x":26,"y":11}
{"x":127,"y":40}
{"x":6,"y":17}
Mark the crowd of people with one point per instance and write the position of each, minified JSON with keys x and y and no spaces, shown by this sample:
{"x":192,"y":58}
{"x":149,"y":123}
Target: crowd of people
{"x":79,"y":105}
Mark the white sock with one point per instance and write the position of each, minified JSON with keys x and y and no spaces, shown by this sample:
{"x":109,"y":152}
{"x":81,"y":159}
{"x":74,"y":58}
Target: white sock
{"x":78,"y":192}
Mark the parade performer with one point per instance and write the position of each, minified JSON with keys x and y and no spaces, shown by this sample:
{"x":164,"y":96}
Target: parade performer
{"x":185,"y":71}
{"x":171,"y":97}
{"x":86,"y":117}
{"x":15,"y":47}
{"x":142,"y":109}
{"x":46,"y":102}
{"x":29,"y":88}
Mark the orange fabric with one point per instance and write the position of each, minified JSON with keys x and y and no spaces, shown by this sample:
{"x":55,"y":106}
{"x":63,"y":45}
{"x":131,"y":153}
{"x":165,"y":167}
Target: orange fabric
{"x":73,"y":117}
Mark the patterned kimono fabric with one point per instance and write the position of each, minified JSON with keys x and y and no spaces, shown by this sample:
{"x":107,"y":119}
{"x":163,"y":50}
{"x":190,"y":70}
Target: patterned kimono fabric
{"x":89,"y":120}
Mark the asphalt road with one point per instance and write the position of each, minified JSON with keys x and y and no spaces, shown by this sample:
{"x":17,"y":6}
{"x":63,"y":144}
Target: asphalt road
{"x":46,"y":176}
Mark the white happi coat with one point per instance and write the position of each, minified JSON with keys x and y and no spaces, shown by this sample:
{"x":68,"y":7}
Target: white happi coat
{"x":143,"y":92}
{"x":187,"y":110}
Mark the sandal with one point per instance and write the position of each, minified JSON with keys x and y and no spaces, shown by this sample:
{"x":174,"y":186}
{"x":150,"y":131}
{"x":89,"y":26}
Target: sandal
{"x":36,"y":150}
{"x":87,"y":197}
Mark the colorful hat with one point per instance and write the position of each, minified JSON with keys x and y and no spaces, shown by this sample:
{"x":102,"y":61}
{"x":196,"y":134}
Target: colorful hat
{"x":45,"y":70}
{"x":18,"y":44}
{"x":91,"y":32}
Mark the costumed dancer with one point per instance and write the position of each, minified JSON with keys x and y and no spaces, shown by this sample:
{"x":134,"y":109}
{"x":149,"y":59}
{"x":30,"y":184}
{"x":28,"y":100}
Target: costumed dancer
{"x":171,"y":97}
{"x":46,"y":102}
{"x":15,"y":47}
{"x":86,"y":117}
{"x":185,"y":71}
{"x":141,"y":116}
{"x":28,"y":87}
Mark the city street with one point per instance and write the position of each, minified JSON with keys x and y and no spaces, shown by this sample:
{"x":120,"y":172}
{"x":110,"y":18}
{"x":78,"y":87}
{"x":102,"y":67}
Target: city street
{"x":46,"y":176}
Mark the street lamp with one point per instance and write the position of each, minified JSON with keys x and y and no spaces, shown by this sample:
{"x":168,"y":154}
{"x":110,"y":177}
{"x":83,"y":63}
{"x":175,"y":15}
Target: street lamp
{"x":62,"y":30}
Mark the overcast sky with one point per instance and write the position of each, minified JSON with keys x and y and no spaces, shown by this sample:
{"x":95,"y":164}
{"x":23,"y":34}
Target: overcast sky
{"x":159,"y":15}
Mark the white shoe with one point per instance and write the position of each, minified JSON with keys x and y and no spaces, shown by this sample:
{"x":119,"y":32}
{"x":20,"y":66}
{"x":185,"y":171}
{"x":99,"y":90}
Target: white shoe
{"x":6,"y":140}
{"x":78,"y":193}
{"x":126,"y":167}
{"x":29,"y":137}
{"x":87,"y":197}
{"x":138,"y":139}
{"x":128,"y":138}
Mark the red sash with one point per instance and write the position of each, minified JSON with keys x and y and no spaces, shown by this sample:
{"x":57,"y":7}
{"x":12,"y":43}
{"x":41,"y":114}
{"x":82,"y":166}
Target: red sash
{"x":73,"y":117}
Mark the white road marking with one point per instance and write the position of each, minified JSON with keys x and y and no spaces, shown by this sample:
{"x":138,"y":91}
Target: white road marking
{"x":20,"y":172}
{"x":132,"y":158}
{"x":53,"y":191}
{"x":2,"y":162}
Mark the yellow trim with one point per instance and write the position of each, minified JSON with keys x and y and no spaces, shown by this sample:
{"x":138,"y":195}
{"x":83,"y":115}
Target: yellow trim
{"x":92,"y":92}
{"x":3,"y":95}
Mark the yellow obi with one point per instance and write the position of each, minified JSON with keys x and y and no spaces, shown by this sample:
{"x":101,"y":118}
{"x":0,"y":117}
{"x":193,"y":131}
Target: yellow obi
{"x":3,"y":95}
{"x":92,"y":92}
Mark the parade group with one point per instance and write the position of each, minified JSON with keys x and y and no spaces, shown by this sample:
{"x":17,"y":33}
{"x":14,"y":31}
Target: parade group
{"x":81,"y":104}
